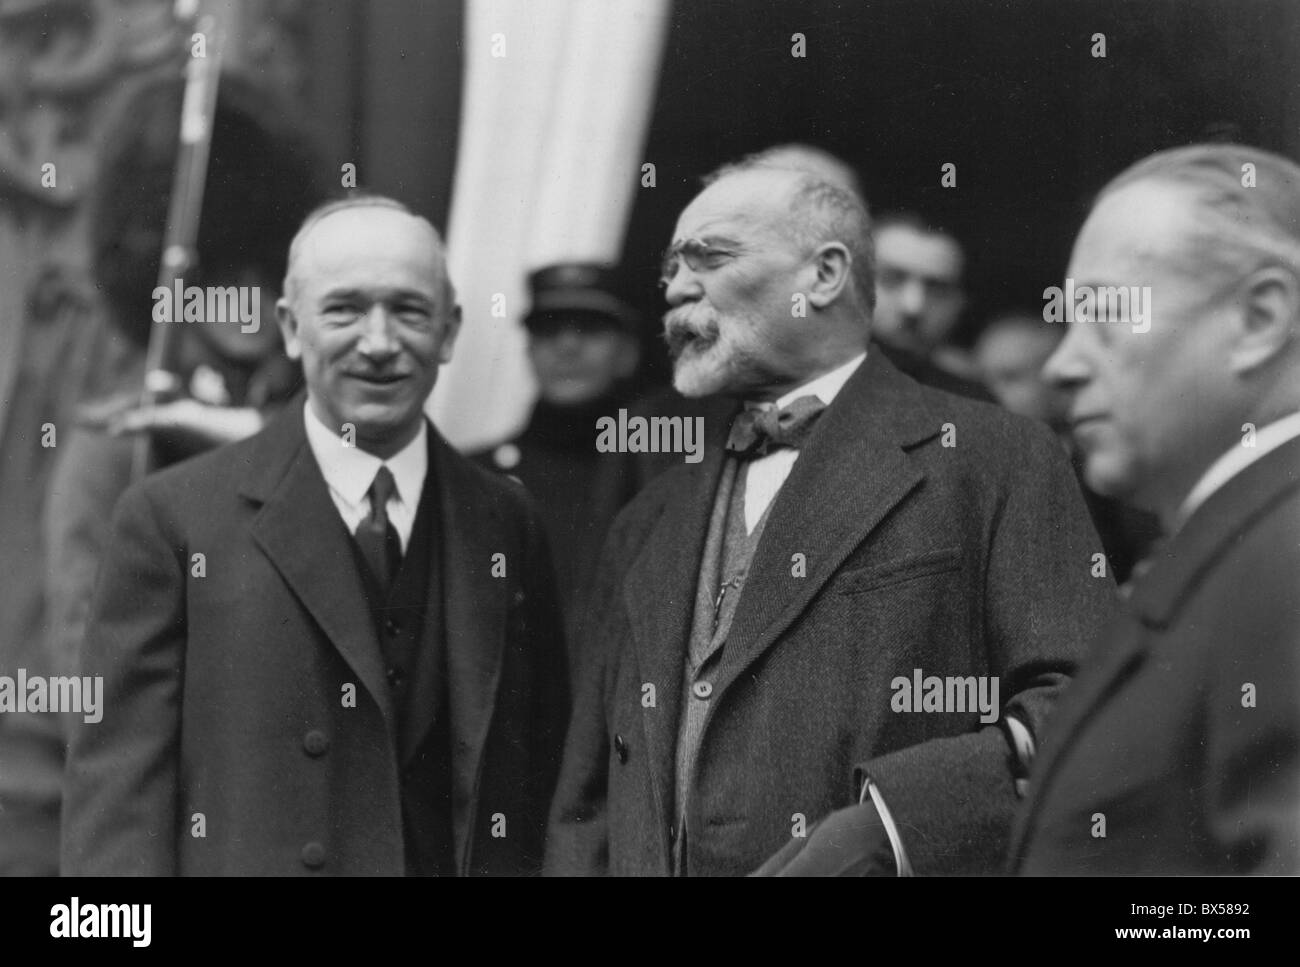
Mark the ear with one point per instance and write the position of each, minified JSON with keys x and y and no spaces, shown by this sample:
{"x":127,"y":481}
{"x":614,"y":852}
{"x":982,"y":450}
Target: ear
{"x":832,"y":263}
{"x":1269,"y":304}
{"x":288,"y":323}
{"x":449,"y":339}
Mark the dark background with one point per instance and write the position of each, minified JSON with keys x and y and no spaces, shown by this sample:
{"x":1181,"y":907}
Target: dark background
{"x":1007,"y":90}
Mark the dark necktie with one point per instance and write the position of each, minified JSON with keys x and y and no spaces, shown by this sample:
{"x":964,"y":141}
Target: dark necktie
{"x":376,"y":535}
{"x":756,"y":433}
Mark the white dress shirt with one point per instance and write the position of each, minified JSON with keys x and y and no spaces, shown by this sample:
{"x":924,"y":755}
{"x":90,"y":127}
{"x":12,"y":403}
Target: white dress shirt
{"x":767,"y":474}
{"x":349,"y":471}
{"x":1267,"y":438}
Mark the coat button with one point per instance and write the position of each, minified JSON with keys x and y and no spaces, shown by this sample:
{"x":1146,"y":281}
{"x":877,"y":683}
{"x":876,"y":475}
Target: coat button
{"x":391,"y":627}
{"x":313,"y":856}
{"x":315,"y":743}
{"x":702,"y":690}
{"x":620,"y":749}
{"x":395,"y":677}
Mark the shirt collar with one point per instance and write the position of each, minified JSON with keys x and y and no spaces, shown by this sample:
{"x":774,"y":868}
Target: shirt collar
{"x":349,"y":471}
{"x":1267,"y":438}
{"x":826,"y":386}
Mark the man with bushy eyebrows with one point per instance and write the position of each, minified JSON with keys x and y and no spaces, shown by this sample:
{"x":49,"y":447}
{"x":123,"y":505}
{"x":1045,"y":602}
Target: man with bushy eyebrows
{"x":847,"y":528}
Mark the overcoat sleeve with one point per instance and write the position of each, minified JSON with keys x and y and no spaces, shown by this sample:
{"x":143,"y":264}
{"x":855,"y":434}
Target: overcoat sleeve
{"x":953,"y":798}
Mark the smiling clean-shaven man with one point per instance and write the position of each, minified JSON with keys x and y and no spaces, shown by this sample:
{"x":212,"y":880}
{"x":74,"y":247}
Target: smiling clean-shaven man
{"x":334,"y":647}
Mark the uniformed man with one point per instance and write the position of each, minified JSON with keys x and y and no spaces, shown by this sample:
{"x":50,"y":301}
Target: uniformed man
{"x":583,"y":347}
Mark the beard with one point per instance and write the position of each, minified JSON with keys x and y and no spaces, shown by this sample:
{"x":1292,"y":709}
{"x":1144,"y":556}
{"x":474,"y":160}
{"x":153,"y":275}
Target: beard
{"x":708,"y":358}
{"x":698,"y":351}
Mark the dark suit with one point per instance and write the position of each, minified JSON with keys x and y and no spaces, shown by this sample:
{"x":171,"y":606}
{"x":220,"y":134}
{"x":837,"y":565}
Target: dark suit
{"x":1155,"y":736}
{"x":965,"y":560}
{"x":928,"y":373}
{"x":225,"y":694}
{"x":578,"y":491}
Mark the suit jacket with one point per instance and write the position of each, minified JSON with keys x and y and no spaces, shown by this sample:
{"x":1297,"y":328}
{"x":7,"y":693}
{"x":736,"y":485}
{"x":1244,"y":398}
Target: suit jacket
{"x":1181,"y":739}
{"x":578,"y":491}
{"x":959,"y":560}
{"x":226,"y":694}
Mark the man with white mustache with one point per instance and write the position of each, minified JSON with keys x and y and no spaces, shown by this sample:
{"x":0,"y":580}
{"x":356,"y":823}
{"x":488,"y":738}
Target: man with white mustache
{"x":846,"y":526}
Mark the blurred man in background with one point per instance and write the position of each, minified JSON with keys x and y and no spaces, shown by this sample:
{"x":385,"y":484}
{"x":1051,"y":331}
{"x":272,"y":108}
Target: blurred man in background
{"x":919,"y":289}
{"x":920,"y":295}
{"x":584,"y":351}
{"x":1177,"y":750}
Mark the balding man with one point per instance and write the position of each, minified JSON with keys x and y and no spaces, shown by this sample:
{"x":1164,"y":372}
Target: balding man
{"x":857,"y":607}
{"x":1178,"y":749}
{"x":333,"y":647}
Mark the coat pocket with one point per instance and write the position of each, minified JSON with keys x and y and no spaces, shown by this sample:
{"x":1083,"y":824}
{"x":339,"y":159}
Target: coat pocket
{"x":874,"y":576}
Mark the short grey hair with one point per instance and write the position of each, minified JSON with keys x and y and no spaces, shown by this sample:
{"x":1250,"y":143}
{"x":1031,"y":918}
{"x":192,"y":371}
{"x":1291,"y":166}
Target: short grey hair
{"x":1241,"y":228}
{"x":825,"y":206}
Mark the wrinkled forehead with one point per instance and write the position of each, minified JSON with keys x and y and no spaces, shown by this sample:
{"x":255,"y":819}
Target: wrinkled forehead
{"x":739,"y":206}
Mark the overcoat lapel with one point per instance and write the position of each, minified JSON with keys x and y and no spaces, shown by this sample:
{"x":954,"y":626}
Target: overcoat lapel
{"x":659,"y":594}
{"x":854,"y":469}
{"x":300,"y":531}
{"x":475,"y":606}
{"x":852,"y":472}
{"x":302,"y":534}
{"x":1155,"y":601}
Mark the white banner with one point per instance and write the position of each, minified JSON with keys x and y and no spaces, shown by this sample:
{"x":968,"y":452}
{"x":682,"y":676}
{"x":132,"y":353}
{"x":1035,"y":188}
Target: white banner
{"x":557,"y":100}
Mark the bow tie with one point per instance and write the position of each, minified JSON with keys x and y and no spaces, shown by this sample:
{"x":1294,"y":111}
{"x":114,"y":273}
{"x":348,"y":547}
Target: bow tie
{"x":756,"y":433}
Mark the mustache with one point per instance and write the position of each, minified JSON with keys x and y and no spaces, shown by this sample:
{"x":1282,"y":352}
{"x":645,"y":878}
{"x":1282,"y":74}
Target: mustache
{"x":684,"y":324}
